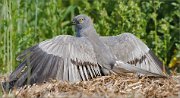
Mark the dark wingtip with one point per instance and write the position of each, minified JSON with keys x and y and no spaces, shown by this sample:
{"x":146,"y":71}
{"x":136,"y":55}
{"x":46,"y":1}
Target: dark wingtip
{"x":7,"y":86}
{"x":23,"y":54}
{"x":158,"y":62}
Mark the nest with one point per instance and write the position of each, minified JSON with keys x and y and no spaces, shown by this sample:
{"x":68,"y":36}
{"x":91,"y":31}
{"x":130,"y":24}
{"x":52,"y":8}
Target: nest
{"x":107,"y":86}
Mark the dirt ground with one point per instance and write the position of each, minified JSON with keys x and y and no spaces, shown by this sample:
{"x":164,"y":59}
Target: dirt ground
{"x":114,"y":86}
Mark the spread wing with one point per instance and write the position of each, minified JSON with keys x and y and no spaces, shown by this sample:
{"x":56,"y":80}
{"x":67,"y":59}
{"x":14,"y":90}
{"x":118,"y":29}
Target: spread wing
{"x":128,"y":48}
{"x":63,"y":57}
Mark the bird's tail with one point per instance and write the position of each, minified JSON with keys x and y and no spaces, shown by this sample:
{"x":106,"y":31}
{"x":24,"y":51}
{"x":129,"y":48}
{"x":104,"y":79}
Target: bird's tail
{"x":120,"y":67}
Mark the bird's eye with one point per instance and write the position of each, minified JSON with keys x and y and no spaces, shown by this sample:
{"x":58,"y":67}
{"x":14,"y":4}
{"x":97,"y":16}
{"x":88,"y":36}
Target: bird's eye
{"x":81,"y":20}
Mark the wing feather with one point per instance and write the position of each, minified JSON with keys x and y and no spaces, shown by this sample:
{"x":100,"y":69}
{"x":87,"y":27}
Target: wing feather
{"x":63,"y":57}
{"x":129,"y":49}
{"x":93,"y":70}
{"x":86,"y":73}
{"x":90,"y":71}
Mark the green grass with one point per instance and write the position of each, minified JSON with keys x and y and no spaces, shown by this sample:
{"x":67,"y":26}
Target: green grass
{"x":24,"y":23}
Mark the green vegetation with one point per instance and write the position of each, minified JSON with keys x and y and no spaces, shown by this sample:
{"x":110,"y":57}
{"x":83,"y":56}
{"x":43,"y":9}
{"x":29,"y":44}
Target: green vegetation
{"x":24,"y":23}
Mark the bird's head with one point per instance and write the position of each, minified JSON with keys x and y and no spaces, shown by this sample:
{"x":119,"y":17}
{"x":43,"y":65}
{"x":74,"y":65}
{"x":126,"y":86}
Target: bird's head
{"x":81,"y":22}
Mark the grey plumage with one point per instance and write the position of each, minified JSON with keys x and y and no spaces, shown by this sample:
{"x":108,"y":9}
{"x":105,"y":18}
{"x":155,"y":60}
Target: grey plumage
{"x":83,"y":57}
{"x":129,"y":49}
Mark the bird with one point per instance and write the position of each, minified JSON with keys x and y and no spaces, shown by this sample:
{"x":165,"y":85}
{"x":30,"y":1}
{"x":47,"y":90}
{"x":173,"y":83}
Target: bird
{"x":83,"y":57}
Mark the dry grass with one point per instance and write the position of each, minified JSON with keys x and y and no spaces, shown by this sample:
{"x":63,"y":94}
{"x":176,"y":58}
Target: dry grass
{"x":106,"y":86}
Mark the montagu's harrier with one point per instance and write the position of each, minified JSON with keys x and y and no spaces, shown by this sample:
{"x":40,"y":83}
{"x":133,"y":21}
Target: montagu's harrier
{"x":83,"y":57}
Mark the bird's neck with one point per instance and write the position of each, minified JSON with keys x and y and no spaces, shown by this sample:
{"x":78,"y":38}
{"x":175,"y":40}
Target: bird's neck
{"x":90,"y":33}
{"x":103,"y":53}
{"x":86,"y":32}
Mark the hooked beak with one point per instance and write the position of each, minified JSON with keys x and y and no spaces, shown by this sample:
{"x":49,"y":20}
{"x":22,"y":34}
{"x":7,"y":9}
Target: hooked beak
{"x":72,"y":23}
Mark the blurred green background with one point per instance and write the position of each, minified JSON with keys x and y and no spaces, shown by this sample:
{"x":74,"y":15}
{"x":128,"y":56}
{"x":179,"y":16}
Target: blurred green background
{"x":24,"y":23}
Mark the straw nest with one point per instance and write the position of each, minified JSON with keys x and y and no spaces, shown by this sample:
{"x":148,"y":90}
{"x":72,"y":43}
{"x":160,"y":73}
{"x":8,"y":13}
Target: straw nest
{"x":107,"y":86}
